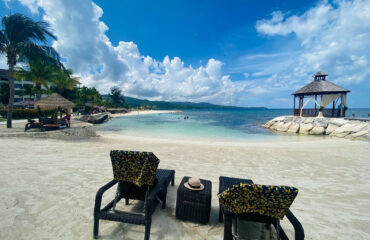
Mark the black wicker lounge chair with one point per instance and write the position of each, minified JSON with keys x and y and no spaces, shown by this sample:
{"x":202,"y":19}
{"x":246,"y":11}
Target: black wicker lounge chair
{"x":46,"y":124}
{"x":138,"y":178}
{"x":32,"y":124}
{"x":61,"y":122}
{"x":233,"y":193}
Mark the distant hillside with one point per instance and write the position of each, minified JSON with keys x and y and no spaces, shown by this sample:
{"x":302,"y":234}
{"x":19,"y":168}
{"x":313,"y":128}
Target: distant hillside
{"x":164,"y":105}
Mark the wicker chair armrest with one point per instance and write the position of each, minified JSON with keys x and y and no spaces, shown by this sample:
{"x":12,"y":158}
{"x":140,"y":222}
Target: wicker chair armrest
{"x":298,"y":229}
{"x":99,"y":194}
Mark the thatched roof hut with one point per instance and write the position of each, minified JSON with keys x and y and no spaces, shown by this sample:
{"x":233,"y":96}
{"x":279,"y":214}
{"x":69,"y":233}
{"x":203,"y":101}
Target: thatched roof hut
{"x":54,"y":101}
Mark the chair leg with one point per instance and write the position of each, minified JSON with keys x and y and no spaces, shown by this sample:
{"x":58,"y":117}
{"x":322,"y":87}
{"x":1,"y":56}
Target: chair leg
{"x":228,"y":235}
{"x":278,"y":230}
{"x":220,"y":215}
{"x":96,"y":227}
{"x":147,"y":231}
{"x":236,"y":226}
{"x":173,"y":180}
{"x":164,"y":202}
{"x":127,"y":201}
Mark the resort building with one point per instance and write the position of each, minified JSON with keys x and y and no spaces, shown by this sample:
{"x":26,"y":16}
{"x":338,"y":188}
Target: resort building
{"x":328,"y":93}
{"x":22,"y":89}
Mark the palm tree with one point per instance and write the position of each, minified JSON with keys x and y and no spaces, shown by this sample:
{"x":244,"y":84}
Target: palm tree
{"x":86,"y":95}
{"x":40,"y":72}
{"x":19,"y":40}
{"x":63,"y":79}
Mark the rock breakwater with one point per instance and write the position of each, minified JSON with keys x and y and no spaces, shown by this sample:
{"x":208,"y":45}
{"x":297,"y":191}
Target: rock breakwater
{"x":335,"y":127}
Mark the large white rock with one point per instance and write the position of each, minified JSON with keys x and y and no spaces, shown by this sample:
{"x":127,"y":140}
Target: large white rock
{"x":284,"y":127}
{"x":276,"y":125}
{"x":338,"y":121}
{"x":288,"y":119}
{"x":278,"y":119}
{"x":305,"y":128}
{"x":321,"y":122}
{"x":298,"y":119}
{"x":268,"y":124}
{"x":343,"y":130}
{"x":317,"y":130}
{"x":331,"y":128}
{"x":359,"y":126}
{"x":309,"y":120}
{"x":357,"y":134}
{"x":293,"y":128}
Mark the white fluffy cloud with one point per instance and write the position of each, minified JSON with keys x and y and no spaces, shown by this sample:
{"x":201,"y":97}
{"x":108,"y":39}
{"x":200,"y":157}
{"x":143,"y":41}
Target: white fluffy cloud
{"x":334,"y":38}
{"x":89,"y":52}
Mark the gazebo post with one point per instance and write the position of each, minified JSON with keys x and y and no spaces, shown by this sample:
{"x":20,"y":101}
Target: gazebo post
{"x":332,"y":111}
{"x":315,"y":104}
{"x":293,"y":105}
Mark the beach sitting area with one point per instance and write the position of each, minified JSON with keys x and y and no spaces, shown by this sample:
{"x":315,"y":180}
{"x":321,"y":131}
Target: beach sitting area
{"x":241,"y":199}
{"x":137,"y":177}
{"x":36,"y":129}
{"x":44,"y":178}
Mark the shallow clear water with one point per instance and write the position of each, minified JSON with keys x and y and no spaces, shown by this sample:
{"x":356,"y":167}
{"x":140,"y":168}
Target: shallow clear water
{"x":203,"y":124}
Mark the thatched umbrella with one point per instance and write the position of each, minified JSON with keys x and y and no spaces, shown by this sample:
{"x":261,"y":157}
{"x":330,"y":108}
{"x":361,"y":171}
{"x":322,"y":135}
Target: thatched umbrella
{"x":54,"y":101}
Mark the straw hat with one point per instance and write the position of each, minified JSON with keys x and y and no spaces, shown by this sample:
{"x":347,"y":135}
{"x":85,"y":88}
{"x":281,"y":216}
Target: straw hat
{"x":194,"y":184}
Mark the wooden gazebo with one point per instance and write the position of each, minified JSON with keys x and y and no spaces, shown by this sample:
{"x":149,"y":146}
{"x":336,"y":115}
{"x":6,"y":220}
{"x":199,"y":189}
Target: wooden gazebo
{"x":328,"y":93}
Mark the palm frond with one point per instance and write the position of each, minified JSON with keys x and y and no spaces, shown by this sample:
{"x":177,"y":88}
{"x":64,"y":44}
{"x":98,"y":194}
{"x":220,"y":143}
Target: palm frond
{"x":19,"y":28}
{"x":3,"y":42}
{"x":32,"y":52}
{"x":22,"y":74}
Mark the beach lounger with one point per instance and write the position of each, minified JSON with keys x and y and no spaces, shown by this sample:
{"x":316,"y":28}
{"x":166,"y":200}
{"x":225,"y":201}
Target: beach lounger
{"x":46,"y":124}
{"x":32,"y":124}
{"x":138,"y":178}
{"x":240,"y":199}
{"x":47,"y":121}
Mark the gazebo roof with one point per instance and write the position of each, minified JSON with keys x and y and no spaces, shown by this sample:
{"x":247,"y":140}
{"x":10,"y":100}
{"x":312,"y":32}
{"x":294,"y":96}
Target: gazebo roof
{"x":320,"y":73}
{"x":320,"y":86}
{"x":54,"y":100}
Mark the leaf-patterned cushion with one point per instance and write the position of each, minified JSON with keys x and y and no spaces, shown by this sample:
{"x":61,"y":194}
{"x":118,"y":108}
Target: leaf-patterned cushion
{"x":135,"y":167}
{"x":271,"y":201}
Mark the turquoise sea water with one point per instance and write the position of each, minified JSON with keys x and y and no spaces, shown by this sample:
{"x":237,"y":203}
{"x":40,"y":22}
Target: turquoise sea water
{"x":206,"y":124}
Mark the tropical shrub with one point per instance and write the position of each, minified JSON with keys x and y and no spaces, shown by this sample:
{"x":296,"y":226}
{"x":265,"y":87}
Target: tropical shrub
{"x":27,"y":113}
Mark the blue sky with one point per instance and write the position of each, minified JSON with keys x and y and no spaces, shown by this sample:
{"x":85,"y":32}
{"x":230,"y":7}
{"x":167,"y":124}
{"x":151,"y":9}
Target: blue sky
{"x":195,"y":30}
{"x":245,"y":53}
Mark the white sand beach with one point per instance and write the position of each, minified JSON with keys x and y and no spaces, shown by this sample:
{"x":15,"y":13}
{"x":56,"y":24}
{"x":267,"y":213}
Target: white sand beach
{"x":48,"y":187}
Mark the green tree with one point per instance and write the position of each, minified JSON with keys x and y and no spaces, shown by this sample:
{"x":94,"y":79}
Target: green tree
{"x":39,"y":71}
{"x":29,"y":90}
{"x":116,"y":96}
{"x":87,"y":95}
{"x":20,"y":39}
{"x":63,"y":80}
{"x":4,"y":93}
